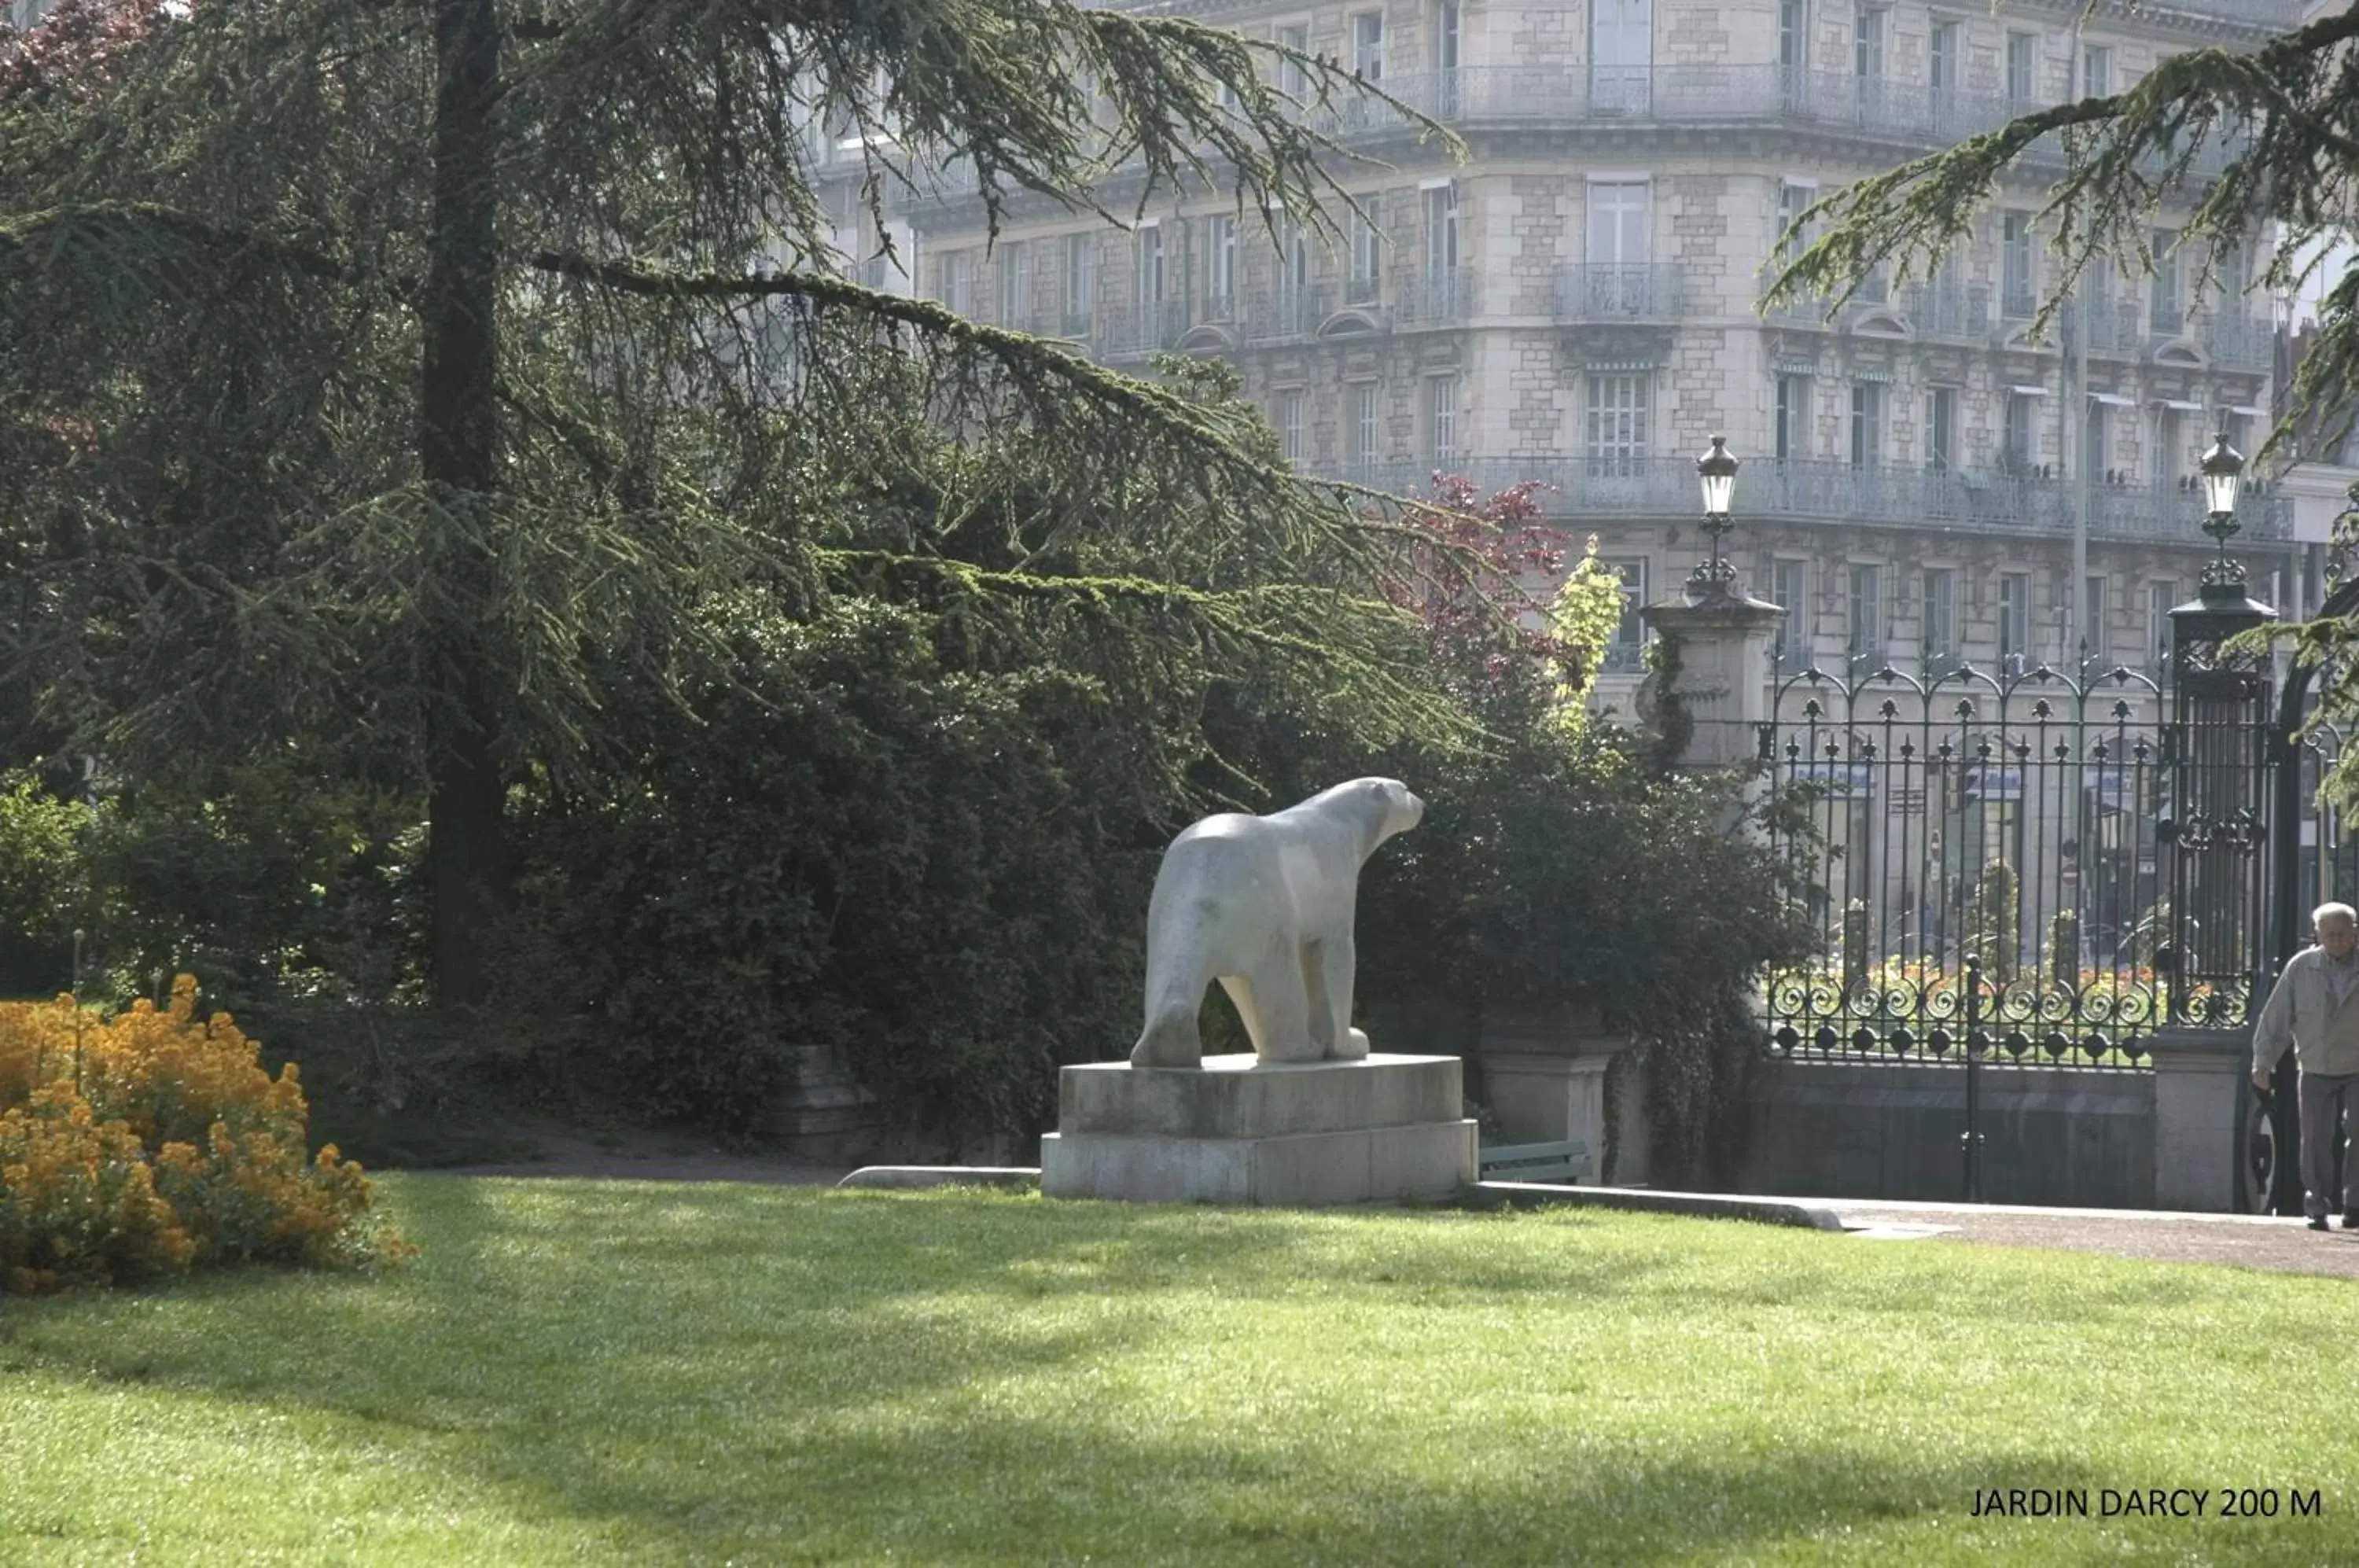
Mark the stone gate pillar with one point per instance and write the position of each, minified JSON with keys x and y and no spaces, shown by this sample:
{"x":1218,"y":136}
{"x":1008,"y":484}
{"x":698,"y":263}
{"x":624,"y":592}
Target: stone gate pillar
{"x":1716,"y":639}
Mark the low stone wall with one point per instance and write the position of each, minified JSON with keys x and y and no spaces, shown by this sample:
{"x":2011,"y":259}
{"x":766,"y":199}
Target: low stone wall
{"x":2050,"y":1135}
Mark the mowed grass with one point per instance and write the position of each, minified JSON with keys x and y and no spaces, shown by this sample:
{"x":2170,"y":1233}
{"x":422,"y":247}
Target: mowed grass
{"x":609,"y":1372}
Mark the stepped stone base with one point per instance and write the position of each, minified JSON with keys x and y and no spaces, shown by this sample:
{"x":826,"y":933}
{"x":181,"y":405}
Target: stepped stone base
{"x":1383,"y":1129}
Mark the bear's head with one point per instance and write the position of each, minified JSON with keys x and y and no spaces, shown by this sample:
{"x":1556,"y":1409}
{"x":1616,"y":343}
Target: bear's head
{"x":1398,"y":809}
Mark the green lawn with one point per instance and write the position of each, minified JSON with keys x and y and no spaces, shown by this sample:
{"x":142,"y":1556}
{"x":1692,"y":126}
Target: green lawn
{"x":610,"y":1372}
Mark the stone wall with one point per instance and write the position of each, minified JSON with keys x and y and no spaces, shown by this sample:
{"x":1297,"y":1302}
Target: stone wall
{"x":2052,"y":1135}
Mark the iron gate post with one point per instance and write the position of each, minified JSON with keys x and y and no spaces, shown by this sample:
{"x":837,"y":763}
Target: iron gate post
{"x":1971,"y":1139}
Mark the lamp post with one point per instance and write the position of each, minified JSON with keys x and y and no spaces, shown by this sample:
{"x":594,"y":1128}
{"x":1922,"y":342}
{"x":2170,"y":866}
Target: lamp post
{"x":1716,"y":473}
{"x":2223,"y":469}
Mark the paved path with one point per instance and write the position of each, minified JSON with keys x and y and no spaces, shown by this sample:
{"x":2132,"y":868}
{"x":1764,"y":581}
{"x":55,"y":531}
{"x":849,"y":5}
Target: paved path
{"x":2250,"y":1241}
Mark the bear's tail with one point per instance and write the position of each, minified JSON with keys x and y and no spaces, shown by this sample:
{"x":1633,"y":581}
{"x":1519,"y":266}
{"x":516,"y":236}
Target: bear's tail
{"x":1170,"y":1038}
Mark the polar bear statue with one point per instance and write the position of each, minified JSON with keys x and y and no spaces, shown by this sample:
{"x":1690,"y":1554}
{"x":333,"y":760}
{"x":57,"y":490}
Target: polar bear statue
{"x":1263,"y":905}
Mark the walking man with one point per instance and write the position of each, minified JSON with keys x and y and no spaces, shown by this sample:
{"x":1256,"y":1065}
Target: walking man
{"x":2311,"y":1007}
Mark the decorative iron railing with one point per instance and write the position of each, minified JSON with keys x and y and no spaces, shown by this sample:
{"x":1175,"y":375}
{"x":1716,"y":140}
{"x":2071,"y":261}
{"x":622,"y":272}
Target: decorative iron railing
{"x":1988,"y":863}
{"x":1893,"y":495}
{"x":1610,"y":291}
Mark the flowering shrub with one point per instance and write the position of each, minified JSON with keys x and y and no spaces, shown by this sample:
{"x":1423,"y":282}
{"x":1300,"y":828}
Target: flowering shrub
{"x":153,"y":1143}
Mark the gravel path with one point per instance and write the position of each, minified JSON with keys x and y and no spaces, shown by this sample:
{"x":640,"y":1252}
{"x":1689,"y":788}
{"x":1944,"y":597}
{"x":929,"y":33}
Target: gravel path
{"x":2247,"y":1241}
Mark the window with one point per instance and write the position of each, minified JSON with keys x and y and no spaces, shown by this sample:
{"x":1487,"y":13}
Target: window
{"x":2161,"y":595}
{"x":1014,"y":285}
{"x":2164,"y":305}
{"x":1938,"y":636}
{"x":1942,"y":429}
{"x":2096,"y":445}
{"x":2022,"y":68}
{"x":1445,"y":35}
{"x":1794,"y":199}
{"x":1367,"y":252}
{"x":1293,"y":256}
{"x":1618,"y":248}
{"x":2176,"y":453}
{"x":1867,"y":43}
{"x":1943,"y":61}
{"x":1867,"y":613}
{"x":2014,"y":264}
{"x":955,"y":281}
{"x":1442,"y":285}
{"x":1081,"y":280}
{"x":1368,"y":45}
{"x":1790,"y":432}
{"x":1621,"y":55}
{"x":1442,"y":398}
{"x":1789,"y":588}
{"x":1630,"y":633}
{"x":1367,"y":438}
{"x":1618,"y":435}
{"x":2014,"y":619}
{"x":1441,"y":229}
{"x":1289,"y":426}
{"x":1793,"y":37}
{"x":2096,"y":71}
{"x":1867,"y":425}
{"x":2017,"y":441}
{"x":2237,"y":430}
{"x":1292,"y":79}
{"x":1221,"y":263}
{"x":1150,"y":266}
{"x":2093,"y":642}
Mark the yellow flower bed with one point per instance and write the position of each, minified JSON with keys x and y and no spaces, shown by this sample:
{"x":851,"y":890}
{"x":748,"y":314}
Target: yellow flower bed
{"x":152,"y":1143}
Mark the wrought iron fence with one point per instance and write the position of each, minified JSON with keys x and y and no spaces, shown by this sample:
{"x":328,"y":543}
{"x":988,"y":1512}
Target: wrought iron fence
{"x":1990,"y":866}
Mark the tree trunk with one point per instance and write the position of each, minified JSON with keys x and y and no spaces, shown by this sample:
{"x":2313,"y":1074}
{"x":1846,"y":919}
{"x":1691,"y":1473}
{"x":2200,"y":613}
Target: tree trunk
{"x":458,"y":448}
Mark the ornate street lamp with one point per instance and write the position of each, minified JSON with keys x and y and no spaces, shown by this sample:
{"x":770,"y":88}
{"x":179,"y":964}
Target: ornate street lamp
{"x":1716,"y":473}
{"x":2223,"y":469}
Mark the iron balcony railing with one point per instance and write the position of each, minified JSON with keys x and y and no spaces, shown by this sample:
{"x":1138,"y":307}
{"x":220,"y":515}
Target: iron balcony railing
{"x":1947,"y":311}
{"x":1443,"y":294}
{"x":1979,"y":500}
{"x":1132,"y":331}
{"x":2113,"y":327}
{"x":1608,"y":292}
{"x":2235,"y":341}
{"x":1280,"y":315}
{"x":1685,"y":93}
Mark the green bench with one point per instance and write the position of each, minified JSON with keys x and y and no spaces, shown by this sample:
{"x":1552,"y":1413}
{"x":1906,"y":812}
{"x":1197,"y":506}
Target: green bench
{"x":1564,"y":1161}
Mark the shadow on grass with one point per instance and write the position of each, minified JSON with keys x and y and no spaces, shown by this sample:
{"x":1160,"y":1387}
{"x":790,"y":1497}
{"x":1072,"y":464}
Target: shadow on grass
{"x":783,"y":1375}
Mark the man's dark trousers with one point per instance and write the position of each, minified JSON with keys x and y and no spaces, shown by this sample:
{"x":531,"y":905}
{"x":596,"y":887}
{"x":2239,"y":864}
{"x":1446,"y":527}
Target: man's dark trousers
{"x":2324,"y":1097}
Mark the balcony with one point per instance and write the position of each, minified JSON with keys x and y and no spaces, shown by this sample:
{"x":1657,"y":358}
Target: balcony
{"x":1600,"y":291}
{"x":1279,"y":315}
{"x":1130,"y":332}
{"x":1979,"y":501}
{"x":1443,"y":295}
{"x":2113,"y":329}
{"x":2235,"y":341}
{"x":1885,"y":107}
{"x":1959,"y":314}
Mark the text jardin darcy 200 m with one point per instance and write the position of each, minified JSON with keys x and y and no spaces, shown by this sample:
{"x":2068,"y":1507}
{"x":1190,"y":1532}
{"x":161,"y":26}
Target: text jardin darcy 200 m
{"x":2172,"y":1502}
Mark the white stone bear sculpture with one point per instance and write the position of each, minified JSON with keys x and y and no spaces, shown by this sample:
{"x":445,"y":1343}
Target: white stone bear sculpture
{"x":1263,"y":905}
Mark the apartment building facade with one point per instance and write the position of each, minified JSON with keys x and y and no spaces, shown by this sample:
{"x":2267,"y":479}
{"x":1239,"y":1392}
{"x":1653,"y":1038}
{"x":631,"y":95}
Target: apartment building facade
{"x":1577,"y":304}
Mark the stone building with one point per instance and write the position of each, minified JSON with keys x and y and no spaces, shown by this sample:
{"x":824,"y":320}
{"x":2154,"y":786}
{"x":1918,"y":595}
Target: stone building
{"x":1577,"y":304}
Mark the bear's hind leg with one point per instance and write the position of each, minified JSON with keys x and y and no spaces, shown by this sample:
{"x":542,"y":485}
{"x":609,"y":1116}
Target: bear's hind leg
{"x":1282,"y":1009}
{"x":1170,"y":1038}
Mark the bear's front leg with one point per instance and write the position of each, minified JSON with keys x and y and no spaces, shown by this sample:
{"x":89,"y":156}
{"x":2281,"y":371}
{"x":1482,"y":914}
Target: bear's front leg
{"x":1339,"y":962}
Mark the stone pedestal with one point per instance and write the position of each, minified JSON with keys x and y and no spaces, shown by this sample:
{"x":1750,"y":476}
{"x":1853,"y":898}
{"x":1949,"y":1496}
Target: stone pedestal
{"x":2197,"y":1076}
{"x":1384,"y":1129}
{"x":1544,"y":1077}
